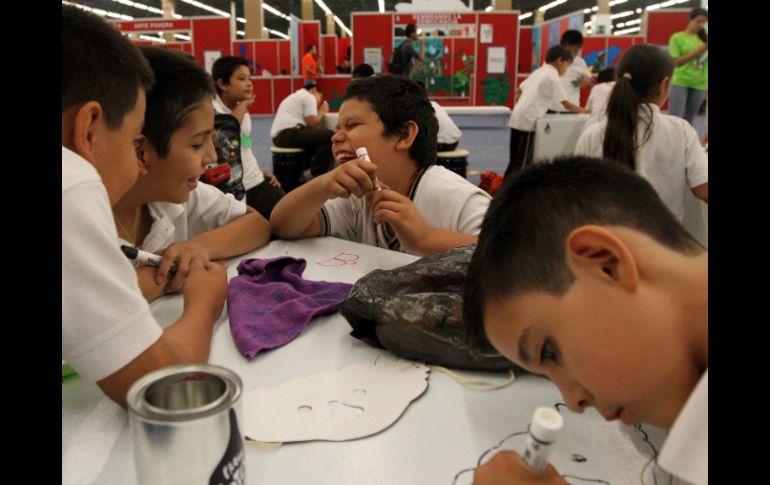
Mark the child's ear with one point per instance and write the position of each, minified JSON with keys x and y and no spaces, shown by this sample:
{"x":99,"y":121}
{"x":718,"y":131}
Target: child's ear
{"x":664,"y":87}
{"x":407,"y":136}
{"x":602,"y":254}
{"x":87,"y":126}
{"x":141,"y":154}
{"x":221,"y":84}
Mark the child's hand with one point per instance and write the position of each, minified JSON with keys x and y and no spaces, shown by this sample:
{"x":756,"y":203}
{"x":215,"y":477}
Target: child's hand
{"x":271,"y":179}
{"x":402,"y":215}
{"x":206,"y":287}
{"x":354,"y":177}
{"x":507,"y":467}
{"x":181,"y":254}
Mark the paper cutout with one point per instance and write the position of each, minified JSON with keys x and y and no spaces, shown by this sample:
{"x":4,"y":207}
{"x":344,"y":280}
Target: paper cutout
{"x":353,"y":402}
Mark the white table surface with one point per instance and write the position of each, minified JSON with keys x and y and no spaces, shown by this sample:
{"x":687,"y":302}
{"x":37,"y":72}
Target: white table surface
{"x":441,"y":433}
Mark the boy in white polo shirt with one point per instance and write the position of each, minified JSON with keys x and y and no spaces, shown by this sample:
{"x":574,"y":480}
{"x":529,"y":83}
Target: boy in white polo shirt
{"x":108,"y":333}
{"x":582,"y":275}
{"x":577,"y":75}
{"x":296,"y":126}
{"x":399,"y":199}
{"x":541,"y":88}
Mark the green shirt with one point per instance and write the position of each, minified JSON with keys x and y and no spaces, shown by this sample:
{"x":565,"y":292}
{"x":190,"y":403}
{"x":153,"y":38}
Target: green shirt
{"x":695,"y":72}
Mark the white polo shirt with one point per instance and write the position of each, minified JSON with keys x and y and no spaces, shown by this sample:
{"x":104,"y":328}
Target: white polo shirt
{"x":445,"y":200}
{"x":252,"y":175}
{"x":598,"y":98}
{"x":106,"y":322}
{"x":293,"y":110}
{"x":685,"y":453}
{"x":570,"y":83}
{"x":672,"y":160}
{"x":540,"y":88}
{"x":206,"y":209}
{"x":448,"y":132}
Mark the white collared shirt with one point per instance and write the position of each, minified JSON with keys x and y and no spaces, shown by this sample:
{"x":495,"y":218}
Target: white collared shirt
{"x":448,"y":132}
{"x":106,"y":322}
{"x":685,"y":453}
{"x":538,"y":91}
{"x":571,"y":84}
{"x":293,"y":110}
{"x":444,"y":199}
{"x":206,"y":209}
{"x":672,"y":159}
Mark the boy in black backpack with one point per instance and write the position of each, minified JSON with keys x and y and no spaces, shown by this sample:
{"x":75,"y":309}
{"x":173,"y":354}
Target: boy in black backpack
{"x":402,"y":60}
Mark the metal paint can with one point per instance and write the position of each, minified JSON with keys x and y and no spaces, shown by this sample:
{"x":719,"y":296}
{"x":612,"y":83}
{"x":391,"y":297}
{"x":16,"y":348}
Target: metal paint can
{"x":184,"y":422}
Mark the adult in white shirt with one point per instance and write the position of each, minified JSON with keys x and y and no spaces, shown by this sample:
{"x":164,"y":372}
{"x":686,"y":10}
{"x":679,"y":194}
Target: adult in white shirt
{"x":663,"y":149}
{"x":296,"y":126}
{"x":577,"y":75}
{"x":448,"y":132}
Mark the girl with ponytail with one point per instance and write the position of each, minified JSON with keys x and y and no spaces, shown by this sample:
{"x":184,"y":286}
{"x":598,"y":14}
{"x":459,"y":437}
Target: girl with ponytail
{"x":662,"y":148}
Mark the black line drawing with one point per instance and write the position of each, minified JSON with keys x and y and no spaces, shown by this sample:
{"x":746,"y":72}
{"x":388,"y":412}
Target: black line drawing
{"x":579,"y":458}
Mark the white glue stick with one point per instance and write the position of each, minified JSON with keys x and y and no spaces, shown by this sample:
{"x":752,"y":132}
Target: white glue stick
{"x":541,"y":437}
{"x":364,"y":155}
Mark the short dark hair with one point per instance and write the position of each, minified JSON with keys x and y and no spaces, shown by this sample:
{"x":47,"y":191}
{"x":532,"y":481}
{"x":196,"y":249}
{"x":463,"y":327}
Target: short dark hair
{"x":309,"y":47}
{"x":362,"y":70}
{"x":697,"y":12}
{"x":180,"y":86}
{"x":99,"y":64}
{"x":224,"y":67}
{"x":606,"y":75}
{"x":557,"y":52}
{"x":521,"y":247}
{"x":410,"y":29}
{"x":398,"y":100}
{"x":571,"y":37}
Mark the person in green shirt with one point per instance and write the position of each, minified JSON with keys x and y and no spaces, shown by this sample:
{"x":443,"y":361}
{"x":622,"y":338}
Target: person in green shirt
{"x":689,"y":49}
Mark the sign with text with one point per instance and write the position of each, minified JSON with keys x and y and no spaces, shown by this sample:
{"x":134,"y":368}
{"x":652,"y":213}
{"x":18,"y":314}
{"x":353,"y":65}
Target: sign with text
{"x":155,"y":25}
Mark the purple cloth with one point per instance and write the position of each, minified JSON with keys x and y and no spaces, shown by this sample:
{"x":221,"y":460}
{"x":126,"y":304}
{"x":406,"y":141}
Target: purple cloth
{"x":269,"y":303}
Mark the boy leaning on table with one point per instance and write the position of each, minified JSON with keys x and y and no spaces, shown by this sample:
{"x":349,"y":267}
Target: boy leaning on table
{"x":108,"y":333}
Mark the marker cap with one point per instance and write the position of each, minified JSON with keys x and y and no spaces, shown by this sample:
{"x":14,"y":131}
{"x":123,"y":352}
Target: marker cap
{"x":546,"y":424}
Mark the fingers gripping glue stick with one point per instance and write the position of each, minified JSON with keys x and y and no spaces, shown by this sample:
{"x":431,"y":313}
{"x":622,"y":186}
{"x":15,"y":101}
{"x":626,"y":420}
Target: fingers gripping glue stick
{"x":364,"y":155}
{"x":541,"y":438}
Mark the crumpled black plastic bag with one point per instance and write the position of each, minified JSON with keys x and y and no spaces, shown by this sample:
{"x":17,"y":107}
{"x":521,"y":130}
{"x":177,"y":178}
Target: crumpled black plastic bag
{"x":416,"y":312}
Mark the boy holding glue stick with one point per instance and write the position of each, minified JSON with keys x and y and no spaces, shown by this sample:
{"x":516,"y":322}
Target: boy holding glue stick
{"x":583,"y":275}
{"x":426,"y":208}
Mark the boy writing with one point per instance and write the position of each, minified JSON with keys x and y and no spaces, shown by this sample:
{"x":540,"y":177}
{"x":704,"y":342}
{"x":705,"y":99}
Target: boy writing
{"x":402,"y":201}
{"x":583,"y":275}
{"x":167,"y":211}
{"x":108,"y":333}
{"x":534,"y":96}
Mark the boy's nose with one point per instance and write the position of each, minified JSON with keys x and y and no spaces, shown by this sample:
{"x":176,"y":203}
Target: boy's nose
{"x":575,"y":395}
{"x":209,"y":152}
{"x":337,"y":137}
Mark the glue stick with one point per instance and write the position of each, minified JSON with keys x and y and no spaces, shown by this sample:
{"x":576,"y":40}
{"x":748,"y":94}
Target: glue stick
{"x":541,"y":437}
{"x":364,"y":155}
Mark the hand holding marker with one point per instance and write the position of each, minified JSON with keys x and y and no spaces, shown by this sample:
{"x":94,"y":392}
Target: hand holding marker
{"x":363,"y":154}
{"x":144,"y":257}
{"x":541,"y":437}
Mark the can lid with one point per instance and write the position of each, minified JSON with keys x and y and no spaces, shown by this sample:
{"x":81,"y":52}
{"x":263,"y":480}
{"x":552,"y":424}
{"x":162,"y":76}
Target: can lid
{"x":184,"y":392}
{"x":546,"y":424}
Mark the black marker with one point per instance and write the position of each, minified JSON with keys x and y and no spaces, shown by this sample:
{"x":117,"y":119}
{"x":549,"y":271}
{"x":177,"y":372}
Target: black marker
{"x":144,"y":257}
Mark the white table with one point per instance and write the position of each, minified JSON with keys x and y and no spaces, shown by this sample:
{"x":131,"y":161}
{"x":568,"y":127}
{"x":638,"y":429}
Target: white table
{"x":557,"y":134}
{"x":443,"y":432}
